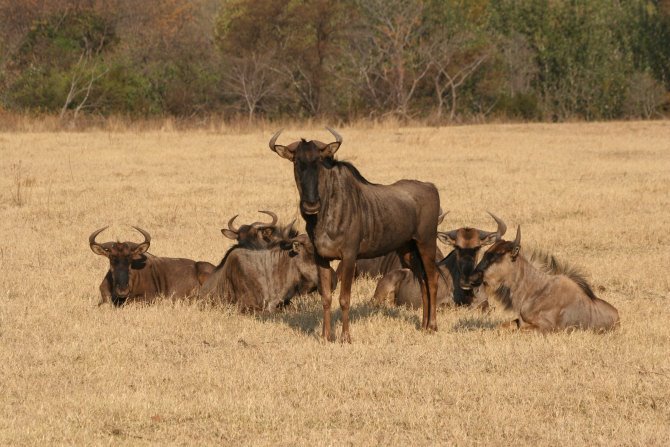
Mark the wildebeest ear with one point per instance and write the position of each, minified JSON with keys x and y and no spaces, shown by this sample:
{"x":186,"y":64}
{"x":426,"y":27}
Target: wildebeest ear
{"x":141,"y":248}
{"x":448,"y":238}
{"x":489,"y":239}
{"x":284,"y":152}
{"x":99,"y":250}
{"x":230,"y":234}
{"x":330,"y":149}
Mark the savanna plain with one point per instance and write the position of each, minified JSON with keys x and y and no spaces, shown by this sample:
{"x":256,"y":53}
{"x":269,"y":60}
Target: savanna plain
{"x":181,"y":373}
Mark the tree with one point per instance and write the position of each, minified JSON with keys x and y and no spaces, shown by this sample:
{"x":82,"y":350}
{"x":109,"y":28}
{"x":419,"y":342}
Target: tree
{"x":252,"y":80}
{"x":391,"y":52}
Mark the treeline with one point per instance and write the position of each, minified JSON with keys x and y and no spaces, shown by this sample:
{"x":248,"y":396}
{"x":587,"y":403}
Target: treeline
{"x":438,"y":60}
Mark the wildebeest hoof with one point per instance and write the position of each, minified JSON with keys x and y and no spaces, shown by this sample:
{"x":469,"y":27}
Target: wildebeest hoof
{"x":508,"y":326}
{"x":345,"y":338}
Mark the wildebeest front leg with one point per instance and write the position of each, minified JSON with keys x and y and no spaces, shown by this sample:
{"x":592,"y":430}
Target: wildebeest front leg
{"x":347,"y":266}
{"x":106,"y":290}
{"x":324,"y":270}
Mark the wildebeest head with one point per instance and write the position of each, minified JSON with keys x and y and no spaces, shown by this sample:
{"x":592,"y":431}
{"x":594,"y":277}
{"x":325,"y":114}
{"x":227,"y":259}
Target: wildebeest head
{"x":467,"y":242}
{"x":301,"y":251}
{"x":256,"y":235}
{"x":307,"y":158}
{"x":496,"y":263}
{"x":122,"y":256}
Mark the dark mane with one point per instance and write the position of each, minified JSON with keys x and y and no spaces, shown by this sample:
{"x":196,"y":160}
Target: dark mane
{"x":225,"y":257}
{"x":330,"y":163}
{"x":548,"y":263}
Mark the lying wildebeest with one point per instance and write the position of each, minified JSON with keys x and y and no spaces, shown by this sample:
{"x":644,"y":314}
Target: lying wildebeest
{"x":381,"y":265}
{"x":466,"y":242}
{"x":265,"y":279}
{"x":554,"y":297}
{"x":135,"y":274}
{"x":256,"y":235}
{"x":349,"y":218}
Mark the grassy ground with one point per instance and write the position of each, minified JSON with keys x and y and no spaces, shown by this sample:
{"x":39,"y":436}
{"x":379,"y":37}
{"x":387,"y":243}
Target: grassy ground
{"x":597,"y":195}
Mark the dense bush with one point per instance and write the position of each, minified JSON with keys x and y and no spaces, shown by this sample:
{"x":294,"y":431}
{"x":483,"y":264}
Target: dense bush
{"x":447,"y":60}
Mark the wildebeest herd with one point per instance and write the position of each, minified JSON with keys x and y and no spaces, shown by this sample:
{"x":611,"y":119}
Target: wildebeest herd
{"x":387,"y":231}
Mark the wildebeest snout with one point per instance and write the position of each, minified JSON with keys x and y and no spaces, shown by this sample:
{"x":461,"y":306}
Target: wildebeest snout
{"x":310,"y":207}
{"x":122,"y":292}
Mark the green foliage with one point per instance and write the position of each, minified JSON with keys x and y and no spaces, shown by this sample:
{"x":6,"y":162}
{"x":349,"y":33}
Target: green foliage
{"x":61,"y":39}
{"x":55,"y":52}
{"x":447,"y":59}
{"x":38,"y":90}
{"x":581,"y":66}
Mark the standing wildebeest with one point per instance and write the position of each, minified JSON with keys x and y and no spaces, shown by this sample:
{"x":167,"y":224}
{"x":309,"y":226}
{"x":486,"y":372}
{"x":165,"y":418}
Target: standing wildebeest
{"x":265,"y":279}
{"x":256,"y":235}
{"x":136,"y":275}
{"x":457,"y":265}
{"x":348,"y":218}
{"x":551,"y":298}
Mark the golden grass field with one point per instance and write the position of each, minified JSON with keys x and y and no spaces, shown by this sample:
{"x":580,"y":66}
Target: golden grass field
{"x":596,"y":195}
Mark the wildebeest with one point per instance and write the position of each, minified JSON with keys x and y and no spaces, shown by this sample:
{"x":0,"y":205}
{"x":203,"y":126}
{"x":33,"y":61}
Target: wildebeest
{"x":555,"y":297}
{"x":348,"y":218}
{"x":466,"y":243}
{"x":255,"y":235}
{"x":135,"y":274}
{"x":265,"y":279}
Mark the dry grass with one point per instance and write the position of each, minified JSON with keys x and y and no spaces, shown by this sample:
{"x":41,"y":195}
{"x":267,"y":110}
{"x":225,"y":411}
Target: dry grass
{"x":597,"y":195}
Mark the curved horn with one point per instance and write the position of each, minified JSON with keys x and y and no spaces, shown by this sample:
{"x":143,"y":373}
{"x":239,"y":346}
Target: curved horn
{"x":337,"y":136}
{"x":271,"y":224}
{"x":147,"y":237}
{"x":441,"y":217}
{"x":91,"y":238}
{"x":231,"y":227}
{"x":289,"y":231}
{"x":502,"y":228}
{"x":517,"y":239}
{"x":273,"y":140}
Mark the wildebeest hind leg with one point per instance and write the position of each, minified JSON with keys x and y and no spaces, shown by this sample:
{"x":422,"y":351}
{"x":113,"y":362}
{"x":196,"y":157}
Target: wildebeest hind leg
{"x":388,"y":285}
{"x":429,"y":283}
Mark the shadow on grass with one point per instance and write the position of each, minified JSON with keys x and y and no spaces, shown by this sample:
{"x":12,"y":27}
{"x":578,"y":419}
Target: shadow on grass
{"x":309,"y":321}
{"x":474,"y":324}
